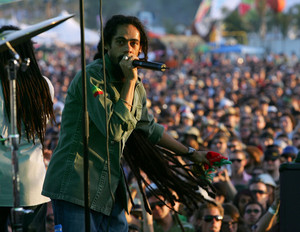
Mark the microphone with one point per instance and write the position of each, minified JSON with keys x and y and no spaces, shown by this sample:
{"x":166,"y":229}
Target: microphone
{"x":149,"y":65}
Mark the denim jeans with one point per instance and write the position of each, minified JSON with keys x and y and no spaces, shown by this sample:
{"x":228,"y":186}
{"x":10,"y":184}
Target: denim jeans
{"x":71,"y":217}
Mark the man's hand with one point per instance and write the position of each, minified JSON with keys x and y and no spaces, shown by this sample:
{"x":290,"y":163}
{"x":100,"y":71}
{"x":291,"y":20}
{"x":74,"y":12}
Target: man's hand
{"x":199,"y":157}
{"x":130,"y":72}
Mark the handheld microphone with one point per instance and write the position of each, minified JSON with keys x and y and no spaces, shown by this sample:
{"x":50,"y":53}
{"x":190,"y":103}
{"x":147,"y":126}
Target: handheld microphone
{"x":149,"y":65}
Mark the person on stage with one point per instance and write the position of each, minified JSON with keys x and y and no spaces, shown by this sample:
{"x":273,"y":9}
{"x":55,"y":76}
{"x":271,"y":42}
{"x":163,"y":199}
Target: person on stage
{"x":125,"y":40}
{"x":34,"y":108}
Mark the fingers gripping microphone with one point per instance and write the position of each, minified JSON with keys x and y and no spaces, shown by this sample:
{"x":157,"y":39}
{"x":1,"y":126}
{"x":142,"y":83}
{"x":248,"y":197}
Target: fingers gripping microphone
{"x":149,"y":65}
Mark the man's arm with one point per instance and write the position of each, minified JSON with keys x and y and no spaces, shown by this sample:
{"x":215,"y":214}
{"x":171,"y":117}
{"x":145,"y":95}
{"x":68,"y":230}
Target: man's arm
{"x":173,"y":145}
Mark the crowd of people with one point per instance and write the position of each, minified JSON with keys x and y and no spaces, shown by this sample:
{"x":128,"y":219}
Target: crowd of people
{"x":247,"y":109}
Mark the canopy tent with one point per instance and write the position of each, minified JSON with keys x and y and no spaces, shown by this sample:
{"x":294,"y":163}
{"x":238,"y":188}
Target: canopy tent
{"x":238,"y":48}
{"x":67,"y":33}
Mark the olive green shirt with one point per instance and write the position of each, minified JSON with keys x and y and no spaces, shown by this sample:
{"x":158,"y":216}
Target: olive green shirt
{"x":64,"y":179}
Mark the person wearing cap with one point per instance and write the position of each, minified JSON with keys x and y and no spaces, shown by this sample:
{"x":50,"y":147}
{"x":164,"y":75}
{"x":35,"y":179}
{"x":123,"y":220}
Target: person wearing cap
{"x":272,"y":113}
{"x":271,"y":161}
{"x":260,"y":191}
{"x":268,"y":180}
{"x":288,"y":154}
{"x":191,"y":138}
{"x":208,"y":218}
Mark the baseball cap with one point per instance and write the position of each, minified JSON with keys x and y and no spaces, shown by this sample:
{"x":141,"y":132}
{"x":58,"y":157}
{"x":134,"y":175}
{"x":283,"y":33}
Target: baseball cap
{"x":267,"y":179}
{"x":290,"y":151}
{"x":264,"y":99}
{"x":271,"y":153}
{"x":272,"y":109}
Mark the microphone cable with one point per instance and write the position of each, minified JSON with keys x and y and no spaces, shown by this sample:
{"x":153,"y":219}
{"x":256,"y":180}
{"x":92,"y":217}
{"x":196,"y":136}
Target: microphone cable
{"x":105,"y":107}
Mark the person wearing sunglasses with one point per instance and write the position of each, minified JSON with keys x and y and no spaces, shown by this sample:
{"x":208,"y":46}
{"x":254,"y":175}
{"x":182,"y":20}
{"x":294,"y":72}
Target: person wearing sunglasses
{"x":208,"y":218}
{"x":253,"y":212}
{"x":239,"y":177}
{"x":260,"y":191}
{"x":232,"y":221}
{"x":164,"y":219}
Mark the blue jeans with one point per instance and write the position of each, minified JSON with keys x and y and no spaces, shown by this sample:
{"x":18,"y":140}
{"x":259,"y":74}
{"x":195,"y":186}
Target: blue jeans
{"x":71,"y":217}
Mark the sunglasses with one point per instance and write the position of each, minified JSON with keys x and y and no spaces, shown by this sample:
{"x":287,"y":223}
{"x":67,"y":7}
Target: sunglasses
{"x":159,"y":204}
{"x":209,"y":218}
{"x":258,"y":191}
{"x":256,"y":211}
{"x":235,"y":160}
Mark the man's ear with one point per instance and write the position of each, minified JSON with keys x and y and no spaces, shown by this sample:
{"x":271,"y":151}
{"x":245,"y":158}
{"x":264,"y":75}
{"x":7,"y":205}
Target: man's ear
{"x":140,"y":50}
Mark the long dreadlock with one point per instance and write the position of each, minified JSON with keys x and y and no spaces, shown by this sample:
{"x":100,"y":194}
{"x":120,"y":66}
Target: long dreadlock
{"x":165,"y":170}
{"x":34,"y":103}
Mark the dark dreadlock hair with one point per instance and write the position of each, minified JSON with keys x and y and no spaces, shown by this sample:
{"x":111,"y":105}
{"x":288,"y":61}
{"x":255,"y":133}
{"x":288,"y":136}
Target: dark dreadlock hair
{"x":164,"y":169}
{"x":34,"y":103}
{"x":110,"y":30}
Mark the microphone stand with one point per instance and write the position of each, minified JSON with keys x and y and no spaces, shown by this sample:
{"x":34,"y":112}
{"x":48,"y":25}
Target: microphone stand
{"x":85,"y":123}
{"x":17,"y":212}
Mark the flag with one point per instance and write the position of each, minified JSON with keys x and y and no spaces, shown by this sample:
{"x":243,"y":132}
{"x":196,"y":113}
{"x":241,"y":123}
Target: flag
{"x":96,"y":91}
{"x":202,"y":22}
{"x":245,"y":6}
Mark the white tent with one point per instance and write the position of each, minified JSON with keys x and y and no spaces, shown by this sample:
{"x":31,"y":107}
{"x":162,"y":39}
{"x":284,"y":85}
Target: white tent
{"x":67,"y":32}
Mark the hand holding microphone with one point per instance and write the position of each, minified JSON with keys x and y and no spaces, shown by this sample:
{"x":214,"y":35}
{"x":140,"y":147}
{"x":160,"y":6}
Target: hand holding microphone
{"x":148,"y":65}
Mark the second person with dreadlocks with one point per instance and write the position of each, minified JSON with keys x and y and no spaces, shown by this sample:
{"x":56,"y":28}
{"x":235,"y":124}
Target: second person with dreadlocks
{"x":124,"y":40}
{"x":34,"y":108}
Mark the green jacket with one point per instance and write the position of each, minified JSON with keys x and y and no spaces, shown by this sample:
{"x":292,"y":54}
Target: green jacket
{"x":64,"y":178}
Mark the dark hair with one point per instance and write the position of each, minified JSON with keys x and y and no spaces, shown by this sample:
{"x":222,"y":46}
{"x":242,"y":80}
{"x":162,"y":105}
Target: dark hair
{"x":240,"y":193}
{"x":34,"y":102}
{"x":255,"y":203}
{"x":231,"y":210}
{"x":111,"y":28}
{"x":199,"y":213}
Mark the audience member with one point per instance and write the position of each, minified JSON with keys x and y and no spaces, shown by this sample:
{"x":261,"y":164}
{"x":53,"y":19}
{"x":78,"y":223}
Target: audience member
{"x":232,"y":221}
{"x":253,"y":212}
{"x":271,"y":161}
{"x":208,"y":218}
{"x":239,"y":177}
{"x":260,"y":192}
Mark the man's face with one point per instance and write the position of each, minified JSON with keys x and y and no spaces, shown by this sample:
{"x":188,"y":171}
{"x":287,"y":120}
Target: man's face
{"x":260,"y":192}
{"x":126,"y":41}
{"x":159,"y":210}
{"x":211,"y":225}
{"x":286,"y":124}
{"x":252,"y":214}
{"x":219,"y":145}
{"x":271,"y":165}
{"x":239,"y":162}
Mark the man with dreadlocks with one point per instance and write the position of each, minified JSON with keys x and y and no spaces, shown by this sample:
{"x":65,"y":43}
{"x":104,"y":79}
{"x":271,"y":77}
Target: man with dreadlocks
{"x":34,"y":109}
{"x":124,"y":103}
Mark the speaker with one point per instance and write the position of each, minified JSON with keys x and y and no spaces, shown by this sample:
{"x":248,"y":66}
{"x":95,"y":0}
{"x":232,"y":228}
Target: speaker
{"x":289,"y":215}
